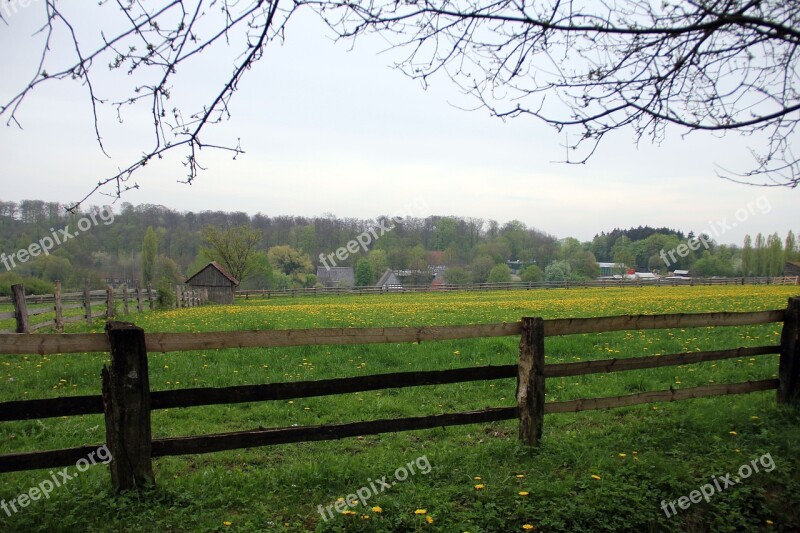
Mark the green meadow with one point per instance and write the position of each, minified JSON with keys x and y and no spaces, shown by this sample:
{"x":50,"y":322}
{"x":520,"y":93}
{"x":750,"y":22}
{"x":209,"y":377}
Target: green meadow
{"x":594,"y":471}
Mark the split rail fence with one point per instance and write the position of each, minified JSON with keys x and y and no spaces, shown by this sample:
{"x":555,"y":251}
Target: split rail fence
{"x":127,"y":401}
{"x":518,"y":285}
{"x":94,"y":303}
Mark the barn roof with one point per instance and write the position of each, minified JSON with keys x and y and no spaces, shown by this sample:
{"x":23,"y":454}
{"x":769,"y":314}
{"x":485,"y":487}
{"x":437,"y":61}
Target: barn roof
{"x":388,"y":277}
{"x":219,"y":268}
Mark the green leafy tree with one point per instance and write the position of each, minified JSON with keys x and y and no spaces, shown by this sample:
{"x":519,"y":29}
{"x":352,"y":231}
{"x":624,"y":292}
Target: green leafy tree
{"x":748,"y":259}
{"x":379,"y":261}
{"x":500,"y":274}
{"x":291,"y":262}
{"x":364,"y":274}
{"x":532,"y":274}
{"x":456,"y":276}
{"x":234,"y":248}
{"x":481,"y":266}
{"x":149,"y":253}
{"x":557,"y":271}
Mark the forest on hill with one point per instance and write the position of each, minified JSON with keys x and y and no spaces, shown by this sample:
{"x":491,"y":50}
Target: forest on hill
{"x":41,"y":243}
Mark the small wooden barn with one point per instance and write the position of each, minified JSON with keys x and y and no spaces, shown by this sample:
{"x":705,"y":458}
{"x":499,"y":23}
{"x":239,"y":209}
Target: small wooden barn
{"x":389,"y":281}
{"x":219,"y":284}
{"x":792,"y":268}
{"x":336,"y":276}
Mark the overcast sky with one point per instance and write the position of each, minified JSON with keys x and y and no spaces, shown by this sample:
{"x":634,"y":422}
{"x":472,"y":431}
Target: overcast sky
{"x":332,"y":130}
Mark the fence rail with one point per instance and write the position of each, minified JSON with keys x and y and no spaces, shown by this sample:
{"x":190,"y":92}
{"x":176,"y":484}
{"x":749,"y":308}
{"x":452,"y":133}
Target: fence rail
{"x":518,"y":285}
{"x":127,"y":401}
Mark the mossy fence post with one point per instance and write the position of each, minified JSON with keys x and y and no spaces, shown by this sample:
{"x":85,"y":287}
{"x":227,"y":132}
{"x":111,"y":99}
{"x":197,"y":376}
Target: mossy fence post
{"x":20,"y":308}
{"x":126,"y":404}
{"x":530,"y":381}
{"x":789,"y":364}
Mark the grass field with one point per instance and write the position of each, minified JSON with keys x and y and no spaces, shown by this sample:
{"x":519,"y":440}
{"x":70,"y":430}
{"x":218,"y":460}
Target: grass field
{"x":595,"y":471}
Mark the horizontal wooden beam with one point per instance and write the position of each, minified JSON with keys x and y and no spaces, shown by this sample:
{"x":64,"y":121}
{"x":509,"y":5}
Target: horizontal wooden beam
{"x":175,"y":342}
{"x":307,"y":389}
{"x":16,"y":462}
{"x":50,"y":407}
{"x":573,"y":326}
{"x":671,"y":395}
{"x":651,"y":361}
{"x":10,"y":314}
{"x":266,"y":437}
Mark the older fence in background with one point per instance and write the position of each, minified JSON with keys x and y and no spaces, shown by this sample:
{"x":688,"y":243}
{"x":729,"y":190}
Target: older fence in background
{"x":127,"y":400}
{"x":517,"y":285}
{"x":95,"y":304}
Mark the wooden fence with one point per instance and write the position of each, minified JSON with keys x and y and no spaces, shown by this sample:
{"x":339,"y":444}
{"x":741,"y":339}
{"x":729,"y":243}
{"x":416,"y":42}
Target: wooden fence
{"x":127,"y":401}
{"x":518,"y":285}
{"x":95,"y":304}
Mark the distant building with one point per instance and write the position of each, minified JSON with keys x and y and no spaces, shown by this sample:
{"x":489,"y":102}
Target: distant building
{"x":336,"y":276}
{"x":646,"y":276}
{"x":219,"y":284}
{"x":611,"y":269}
{"x":389,"y":281}
{"x":792,"y":268}
{"x":681,"y":273}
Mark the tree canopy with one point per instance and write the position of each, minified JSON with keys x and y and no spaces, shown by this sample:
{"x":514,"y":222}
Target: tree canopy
{"x":708,"y":66}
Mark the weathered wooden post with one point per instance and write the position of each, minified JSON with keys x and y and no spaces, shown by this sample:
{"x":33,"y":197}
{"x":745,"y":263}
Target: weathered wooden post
{"x":87,"y":303}
{"x":125,"y":308}
{"x":150,"y":300}
{"x":57,"y":308}
{"x":139,"y":300}
{"x":789,"y":364}
{"x":109,"y":302}
{"x":530,"y":381}
{"x":20,"y":308}
{"x":126,"y":404}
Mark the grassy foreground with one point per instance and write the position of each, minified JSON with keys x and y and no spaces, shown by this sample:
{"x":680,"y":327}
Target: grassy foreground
{"x":595,"y":471}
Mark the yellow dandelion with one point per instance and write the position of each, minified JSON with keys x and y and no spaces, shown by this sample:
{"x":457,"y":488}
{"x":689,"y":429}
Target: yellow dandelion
{"x":348,"y":512}
{"x":421,"y":511}
{"x":770,"y":522}
{"x":595,"y":476}
{"x":428,"y":519}
{"x":477,"y":478}
{"x":479,"y":486}
{"x":364,"y":517}
{"x":732,"y":433}
{"x":377,"y":509}
{"x":623,"y":455}
{"x":457,"y":352}
{"x":227,"y":524}
{"x":523,"y":493}
{"x":520,"y":476}
{"x":527,"y":527}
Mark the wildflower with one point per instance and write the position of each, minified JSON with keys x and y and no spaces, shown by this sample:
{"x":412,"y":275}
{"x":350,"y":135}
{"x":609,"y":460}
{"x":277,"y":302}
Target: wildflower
{"x":227,"y":524}
{"x":595,"y":476}
{"x":479,"y":486}
{"x":428,"y":519}
{"x":421,"y":511}
{"x":623,"y":455}
{"x":527,"y":527}
{"x":520,"y":476}
{"x":377,"y":509}
{"x":523,"y":493}
{"x":732,"y":433}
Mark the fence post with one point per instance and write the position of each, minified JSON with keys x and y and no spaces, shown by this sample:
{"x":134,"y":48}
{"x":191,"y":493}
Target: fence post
{"x":789,"y":364}
{"x":125,"y":308}
{"x":57,"y":307}
{"x":150,"y":295}
{"x":20,"y":308}
{"x":126,"y":404}
{"x":530,"y":381}
{"x":139,"y":301}
{"x":87,"y":303}
{"x":109,"y":302}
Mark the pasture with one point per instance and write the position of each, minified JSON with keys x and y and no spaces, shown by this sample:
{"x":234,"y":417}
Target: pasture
{"x":598,"y":471}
